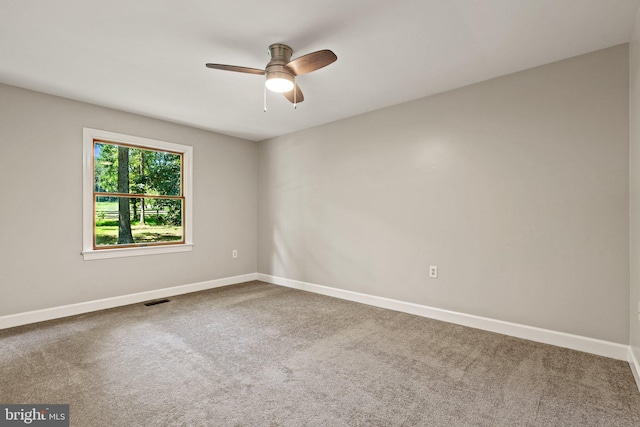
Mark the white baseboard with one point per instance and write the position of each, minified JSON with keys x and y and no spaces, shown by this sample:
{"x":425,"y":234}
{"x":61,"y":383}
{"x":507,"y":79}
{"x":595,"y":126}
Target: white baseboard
{"x":561,"y":339}
{"x":86,"y":307}
{"x":546,"y":336}
{"x":635,"y":366}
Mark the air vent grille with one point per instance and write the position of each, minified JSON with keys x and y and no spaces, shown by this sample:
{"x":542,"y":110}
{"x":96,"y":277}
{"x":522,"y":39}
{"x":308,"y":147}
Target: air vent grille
{"x":160,"y":301}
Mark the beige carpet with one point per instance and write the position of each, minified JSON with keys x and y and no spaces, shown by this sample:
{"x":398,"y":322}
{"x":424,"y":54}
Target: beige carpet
{"x":262,"y":355}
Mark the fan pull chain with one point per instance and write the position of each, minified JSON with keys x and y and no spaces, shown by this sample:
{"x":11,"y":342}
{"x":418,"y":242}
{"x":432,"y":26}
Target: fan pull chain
{"x":265,"y":98}
{"x":295,"y":93}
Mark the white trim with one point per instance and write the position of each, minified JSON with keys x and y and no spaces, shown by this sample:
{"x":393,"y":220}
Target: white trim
{"x":635,"y":366}
{"x":88,"y":135}
{"x":561,"y":339}
{"x":126,"y":252}
{"x":546,"y":336}
{"x":89,"y":306}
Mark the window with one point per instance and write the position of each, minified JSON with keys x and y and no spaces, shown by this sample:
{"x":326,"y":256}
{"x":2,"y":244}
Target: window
{"x":137,"y":196}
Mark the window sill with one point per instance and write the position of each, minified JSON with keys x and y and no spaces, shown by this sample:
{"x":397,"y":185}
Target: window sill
{"x":129,"y":252}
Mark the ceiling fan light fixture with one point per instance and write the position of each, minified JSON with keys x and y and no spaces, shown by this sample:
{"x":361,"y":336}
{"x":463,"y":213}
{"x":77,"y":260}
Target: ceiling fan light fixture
{"x":281,"y":71}
{"x":279,"y":82}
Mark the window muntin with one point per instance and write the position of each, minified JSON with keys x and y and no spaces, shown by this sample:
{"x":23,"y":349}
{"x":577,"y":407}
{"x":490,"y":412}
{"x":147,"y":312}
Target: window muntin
{"x":159,"y":190}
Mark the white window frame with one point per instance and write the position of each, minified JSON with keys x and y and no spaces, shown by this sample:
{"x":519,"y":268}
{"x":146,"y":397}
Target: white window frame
{"x":88,"y":251}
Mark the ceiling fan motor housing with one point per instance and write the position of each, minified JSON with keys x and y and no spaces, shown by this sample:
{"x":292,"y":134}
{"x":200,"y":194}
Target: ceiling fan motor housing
{"x":280,"y":56}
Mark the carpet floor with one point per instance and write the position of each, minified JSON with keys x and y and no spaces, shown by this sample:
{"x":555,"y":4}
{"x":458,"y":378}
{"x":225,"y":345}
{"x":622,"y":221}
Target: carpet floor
{"x":257,"y":354}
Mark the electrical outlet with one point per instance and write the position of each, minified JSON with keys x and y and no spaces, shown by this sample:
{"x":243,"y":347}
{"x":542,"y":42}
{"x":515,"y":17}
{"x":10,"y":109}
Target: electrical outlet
{"x":433,"y":271}
{"x":234,"y":253}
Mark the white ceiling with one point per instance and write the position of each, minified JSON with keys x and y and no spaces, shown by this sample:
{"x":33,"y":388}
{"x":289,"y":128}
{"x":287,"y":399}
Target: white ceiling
{"x":148,"y":56}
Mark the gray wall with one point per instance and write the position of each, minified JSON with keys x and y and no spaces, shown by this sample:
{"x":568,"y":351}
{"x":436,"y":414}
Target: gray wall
{"x":634,"y":188}
{"x":516,"y":188}
{"x":41,"y":206}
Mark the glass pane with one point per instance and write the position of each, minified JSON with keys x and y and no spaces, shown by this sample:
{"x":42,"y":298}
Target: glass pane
{"x":135,"y":221}
{"x":119,"y":169}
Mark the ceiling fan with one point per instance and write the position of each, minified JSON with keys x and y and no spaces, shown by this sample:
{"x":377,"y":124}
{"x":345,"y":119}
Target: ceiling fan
{"x":281,"y":71}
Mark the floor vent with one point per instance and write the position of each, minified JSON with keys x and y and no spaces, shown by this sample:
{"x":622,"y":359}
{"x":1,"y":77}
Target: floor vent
{"x":160,"y":301}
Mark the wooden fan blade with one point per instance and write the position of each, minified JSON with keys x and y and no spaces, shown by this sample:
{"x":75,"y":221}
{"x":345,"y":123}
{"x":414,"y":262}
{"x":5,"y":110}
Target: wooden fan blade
{"x":311,"y":62}
{"x":299,"y":97}
{"x":235,"y":68}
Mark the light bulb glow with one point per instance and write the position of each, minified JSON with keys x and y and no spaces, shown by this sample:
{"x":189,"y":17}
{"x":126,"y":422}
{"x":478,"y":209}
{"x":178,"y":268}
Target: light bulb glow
{"x":278,"y":84}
